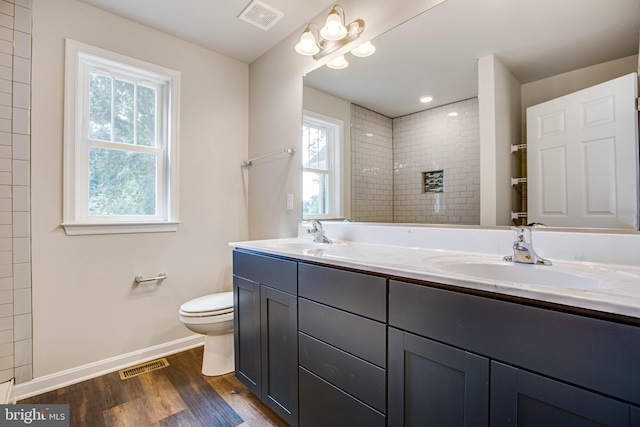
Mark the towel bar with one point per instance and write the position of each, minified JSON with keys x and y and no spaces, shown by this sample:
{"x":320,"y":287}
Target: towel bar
{"x":140,"y":279}
{"x":286,"y":150}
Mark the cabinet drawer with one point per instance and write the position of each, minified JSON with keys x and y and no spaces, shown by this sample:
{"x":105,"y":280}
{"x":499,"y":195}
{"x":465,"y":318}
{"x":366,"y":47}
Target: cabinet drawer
{"x":274,"y":272}
{"x":355,"y":292}
{"x":357,"y":335}
{"x":591,"y":353}
{"x":355,"y":376}
{"x":322,"y":405}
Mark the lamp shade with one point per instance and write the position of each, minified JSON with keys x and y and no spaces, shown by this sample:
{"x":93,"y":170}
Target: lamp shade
{"x":307,"y":45}
{"x":365,"y":49}
{"x":334,"y":28}
{"x":338,"y":63}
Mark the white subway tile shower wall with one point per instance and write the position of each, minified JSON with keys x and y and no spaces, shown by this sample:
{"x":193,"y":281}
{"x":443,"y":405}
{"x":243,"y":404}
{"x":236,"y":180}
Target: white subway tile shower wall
{"x":434,"y":140}
{"x":388,"y":157}
{"x":15,"y":250}
{"x":371,"y":166}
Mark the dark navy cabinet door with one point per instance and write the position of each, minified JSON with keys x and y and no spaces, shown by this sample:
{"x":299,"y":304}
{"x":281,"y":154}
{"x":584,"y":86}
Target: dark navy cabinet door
{"x":279,"y":322}
{"x":246,"y":321}
{"x":432,"y":384}
{"x":523,"y":399}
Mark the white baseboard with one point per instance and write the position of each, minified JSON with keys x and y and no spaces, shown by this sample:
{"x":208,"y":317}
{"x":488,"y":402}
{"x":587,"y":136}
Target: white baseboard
{"x":81,"y":373}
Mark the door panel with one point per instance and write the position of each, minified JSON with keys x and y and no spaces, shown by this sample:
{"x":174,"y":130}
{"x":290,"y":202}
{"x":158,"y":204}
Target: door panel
{"x":432,"y":384}
{"x":280,"y":352}
{"x":523,"y":399}
{"x":246,"y":321}
{"x":582,"y":157}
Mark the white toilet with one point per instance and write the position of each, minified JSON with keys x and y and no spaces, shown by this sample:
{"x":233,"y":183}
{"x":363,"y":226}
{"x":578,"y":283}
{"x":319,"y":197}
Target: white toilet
{"x":212,"y":316}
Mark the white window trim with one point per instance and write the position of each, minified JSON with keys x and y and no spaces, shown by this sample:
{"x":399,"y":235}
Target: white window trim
{"x":334,"y":161}
{"x":74,"y":222}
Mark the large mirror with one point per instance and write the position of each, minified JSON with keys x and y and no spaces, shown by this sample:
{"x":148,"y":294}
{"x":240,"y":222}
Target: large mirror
{"x":435,"y":162}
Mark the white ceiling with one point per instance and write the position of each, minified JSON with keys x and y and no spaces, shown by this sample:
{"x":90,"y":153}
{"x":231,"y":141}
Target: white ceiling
{"x":533,"y":38}
{"x":436,"y":53}
{"x":214,"y":24}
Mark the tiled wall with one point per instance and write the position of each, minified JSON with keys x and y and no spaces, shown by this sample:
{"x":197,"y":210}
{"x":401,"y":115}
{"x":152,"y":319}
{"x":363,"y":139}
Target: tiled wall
{"x":15,"y":249}
{"x":371,"y":166}
{"x":432,"y":140}
{"x":389,"y":158}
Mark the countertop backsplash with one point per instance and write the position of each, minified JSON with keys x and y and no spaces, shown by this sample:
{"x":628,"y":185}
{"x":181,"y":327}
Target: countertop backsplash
{"x":601,"y":246}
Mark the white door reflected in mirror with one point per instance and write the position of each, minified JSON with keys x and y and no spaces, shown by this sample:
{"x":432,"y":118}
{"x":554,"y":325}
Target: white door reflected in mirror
{"x":582,"y":156}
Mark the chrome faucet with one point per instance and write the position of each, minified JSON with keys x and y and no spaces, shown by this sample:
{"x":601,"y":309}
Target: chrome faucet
{"x":317,"y":232}
{"x":523,"y":251}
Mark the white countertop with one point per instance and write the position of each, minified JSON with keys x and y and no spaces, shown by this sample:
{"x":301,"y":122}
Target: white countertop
{"x":615,"y":288}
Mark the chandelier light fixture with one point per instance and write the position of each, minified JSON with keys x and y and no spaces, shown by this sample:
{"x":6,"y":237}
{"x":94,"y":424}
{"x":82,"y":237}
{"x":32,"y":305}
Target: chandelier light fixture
{"x":318,"y":43}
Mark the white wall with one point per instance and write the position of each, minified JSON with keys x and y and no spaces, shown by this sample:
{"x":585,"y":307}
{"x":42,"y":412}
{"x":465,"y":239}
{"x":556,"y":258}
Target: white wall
{"x":499,"y":98}
{"x":508,"y":125}
{"x":85,"y":305}
{"x":275,"y":105}
{"x":556,"y":86}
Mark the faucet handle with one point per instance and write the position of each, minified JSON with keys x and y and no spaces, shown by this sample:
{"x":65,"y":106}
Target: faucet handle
{"x":318,"y":232}
{"x":316,"y":226}
{"x":522,"y":234}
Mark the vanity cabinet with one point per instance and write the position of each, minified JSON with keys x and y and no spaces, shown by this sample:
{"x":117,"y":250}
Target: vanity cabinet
{"x":546,"y":367}
{"x":342,"y":347}
{"x":325,"y":346}
{"x":265,"y":323}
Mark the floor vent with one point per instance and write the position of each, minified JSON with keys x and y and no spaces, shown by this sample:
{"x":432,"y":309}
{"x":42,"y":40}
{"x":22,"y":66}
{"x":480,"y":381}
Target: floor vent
{"x":260,"y":15}
{"x":143,"y":368}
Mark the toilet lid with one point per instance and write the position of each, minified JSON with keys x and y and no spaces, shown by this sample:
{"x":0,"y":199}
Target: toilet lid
{"x":219,"y":303}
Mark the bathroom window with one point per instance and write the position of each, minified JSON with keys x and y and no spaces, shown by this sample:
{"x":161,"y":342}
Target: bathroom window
{"x":121,"y":143}
{"x":321,"y":193}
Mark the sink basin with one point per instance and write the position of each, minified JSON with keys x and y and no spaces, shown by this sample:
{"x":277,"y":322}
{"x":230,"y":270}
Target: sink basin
{"x":523,"y":274}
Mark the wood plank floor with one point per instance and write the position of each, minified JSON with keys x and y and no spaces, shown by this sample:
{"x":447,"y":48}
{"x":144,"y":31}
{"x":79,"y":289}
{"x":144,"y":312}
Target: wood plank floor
{"x":175,"y":396}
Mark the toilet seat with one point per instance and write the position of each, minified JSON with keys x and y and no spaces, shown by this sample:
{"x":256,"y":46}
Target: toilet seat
{"x":212,"y":313}
{"x":208,"y":306}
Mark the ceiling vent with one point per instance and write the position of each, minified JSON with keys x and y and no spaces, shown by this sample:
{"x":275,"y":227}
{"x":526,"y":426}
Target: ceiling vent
{"x":260,"y":15}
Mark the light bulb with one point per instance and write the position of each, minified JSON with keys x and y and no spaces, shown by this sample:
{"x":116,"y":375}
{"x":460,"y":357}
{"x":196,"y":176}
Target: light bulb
{"x":333,"y":25}
{"x":307,"y":45}
{"x":365,"y":49}
{"x":338,"y":63}
{"x":333,"y":28}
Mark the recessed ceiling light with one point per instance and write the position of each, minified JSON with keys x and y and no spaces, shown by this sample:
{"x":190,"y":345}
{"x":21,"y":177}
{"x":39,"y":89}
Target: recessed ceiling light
{"x":426,"y":99}
{"x":452,"y":114}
